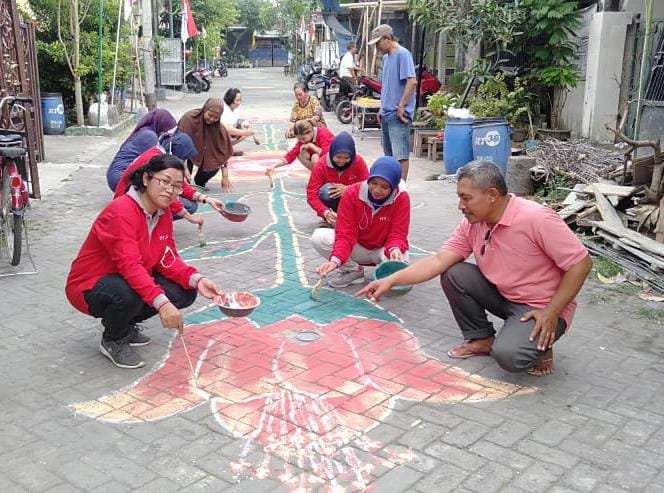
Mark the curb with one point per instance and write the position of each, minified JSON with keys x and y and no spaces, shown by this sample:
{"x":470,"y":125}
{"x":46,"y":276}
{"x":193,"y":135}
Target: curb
{"x":105,"y":131}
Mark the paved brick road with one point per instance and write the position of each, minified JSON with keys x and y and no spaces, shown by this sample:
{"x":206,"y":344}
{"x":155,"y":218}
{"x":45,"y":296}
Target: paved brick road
{"x":373,"y":402}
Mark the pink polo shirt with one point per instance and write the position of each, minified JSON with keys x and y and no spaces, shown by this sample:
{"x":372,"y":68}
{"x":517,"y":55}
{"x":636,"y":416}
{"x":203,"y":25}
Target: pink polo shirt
{"x":527,"y":254}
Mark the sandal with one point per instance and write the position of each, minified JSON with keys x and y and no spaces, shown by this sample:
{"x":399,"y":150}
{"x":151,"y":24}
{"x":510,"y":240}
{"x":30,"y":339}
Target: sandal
{"x":462,"y":351}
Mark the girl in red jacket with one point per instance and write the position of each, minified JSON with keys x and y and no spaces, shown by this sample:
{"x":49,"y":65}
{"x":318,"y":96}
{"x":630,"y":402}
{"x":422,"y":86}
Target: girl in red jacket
{"x":128,"y":268}
{"x":372,"y":226}
{"x":331,"y":176}
{"x":312,"y":143}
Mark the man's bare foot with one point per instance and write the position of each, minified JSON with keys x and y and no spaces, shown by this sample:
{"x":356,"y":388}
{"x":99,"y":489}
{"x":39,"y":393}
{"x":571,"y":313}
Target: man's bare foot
{"x":474,"y":347}
{"x":544,"y":365}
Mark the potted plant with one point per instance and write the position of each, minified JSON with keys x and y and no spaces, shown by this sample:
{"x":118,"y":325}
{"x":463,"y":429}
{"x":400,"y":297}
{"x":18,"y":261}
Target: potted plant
{"x":551,"y":27}
{"x":439,"y":102}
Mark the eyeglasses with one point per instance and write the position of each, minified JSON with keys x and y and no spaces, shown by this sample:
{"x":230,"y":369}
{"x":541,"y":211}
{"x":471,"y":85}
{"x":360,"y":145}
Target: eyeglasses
{"x":166,"y":184}
{"x":487,"y":238}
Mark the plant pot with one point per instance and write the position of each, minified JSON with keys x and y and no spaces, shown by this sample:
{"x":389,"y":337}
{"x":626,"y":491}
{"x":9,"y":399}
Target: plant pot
{"x":553,"y":133}
{"x":519,"y":134}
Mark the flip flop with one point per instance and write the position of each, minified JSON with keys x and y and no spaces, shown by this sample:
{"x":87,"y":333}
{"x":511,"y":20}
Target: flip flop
{"x":536,"y":372}
{"x":470,"y":354}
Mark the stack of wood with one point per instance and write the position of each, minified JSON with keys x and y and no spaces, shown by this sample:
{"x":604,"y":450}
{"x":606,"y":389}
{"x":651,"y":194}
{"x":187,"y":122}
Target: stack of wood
{"x":616,"y":226}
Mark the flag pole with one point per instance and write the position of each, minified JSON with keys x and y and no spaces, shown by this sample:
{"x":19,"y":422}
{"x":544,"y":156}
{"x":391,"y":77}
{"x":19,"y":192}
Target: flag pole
{"x":117,"y":45}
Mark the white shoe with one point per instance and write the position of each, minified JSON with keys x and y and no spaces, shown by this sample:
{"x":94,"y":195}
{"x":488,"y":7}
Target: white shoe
{"x":345,"y":278}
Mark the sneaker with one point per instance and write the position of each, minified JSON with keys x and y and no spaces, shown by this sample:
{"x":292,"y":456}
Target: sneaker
{"x":136,"y":336}
{"x":121,"y":353}
{"x":345,"y":278}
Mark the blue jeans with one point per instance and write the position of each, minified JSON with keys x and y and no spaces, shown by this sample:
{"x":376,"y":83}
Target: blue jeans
{"x":396,"y":137}
{"x":191,"y":206}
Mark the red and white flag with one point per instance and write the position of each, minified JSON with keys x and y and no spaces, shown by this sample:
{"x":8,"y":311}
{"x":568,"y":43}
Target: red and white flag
{"x":188,"y":28}
{"x":303,"y":28}
{"x":127,"y":8}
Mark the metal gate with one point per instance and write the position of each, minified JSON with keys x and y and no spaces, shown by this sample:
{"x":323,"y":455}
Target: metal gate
{"x":19,"y":76}
{"x":650,"y":124}
{"x":171,"y":62}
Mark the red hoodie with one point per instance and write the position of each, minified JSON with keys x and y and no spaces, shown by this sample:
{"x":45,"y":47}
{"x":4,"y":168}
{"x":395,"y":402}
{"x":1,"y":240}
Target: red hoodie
{"x":325,"y":172}
{"x":358,"y":222}
{"x":119,"y":243}
{"x":322,"y":138}
{"x":176,"y":207}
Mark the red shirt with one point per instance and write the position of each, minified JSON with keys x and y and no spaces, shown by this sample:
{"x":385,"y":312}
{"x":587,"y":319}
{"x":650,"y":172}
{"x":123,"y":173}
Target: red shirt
{"x":325,"y":172}
{"x":527,"y":254}
{"x":176,"y":207}
{"x":358,"y":222}
{"x":322,"y":138}
{"x":119,"y":243}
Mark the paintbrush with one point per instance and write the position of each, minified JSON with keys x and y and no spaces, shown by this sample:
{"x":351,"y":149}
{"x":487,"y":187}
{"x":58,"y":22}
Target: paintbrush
{"x":271,"y":181}
{"x":201,"y":236}
{"x":315,"y":291}
{"x":256,"y":141}
{"x":191,"y":366}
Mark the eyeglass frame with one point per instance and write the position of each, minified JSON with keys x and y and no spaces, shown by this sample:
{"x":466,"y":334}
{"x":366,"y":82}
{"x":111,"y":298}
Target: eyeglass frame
{"x":487,"y":239}
{"x":165,"y":184}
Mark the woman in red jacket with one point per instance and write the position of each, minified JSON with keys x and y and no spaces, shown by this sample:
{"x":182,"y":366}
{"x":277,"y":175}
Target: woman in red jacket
{"x":372,"y":226}
{"x":312,"y":143}
{"x":128,"y":268}
{"x":332,"y":174}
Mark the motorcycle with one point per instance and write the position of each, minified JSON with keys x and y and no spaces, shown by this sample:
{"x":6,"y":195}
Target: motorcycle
{"x":220,"y":68}
{"x":205,"y":78}
{"x":193,"y":80}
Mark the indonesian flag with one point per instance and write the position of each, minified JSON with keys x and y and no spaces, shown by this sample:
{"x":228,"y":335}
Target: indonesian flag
{"x":312,"y":31}
{"x":188,"y":28}
{"x":303,"y":28}
{"x":127,"y":8}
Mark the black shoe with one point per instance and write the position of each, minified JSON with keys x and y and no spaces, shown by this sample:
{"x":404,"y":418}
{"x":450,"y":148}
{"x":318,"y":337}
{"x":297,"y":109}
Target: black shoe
{"x":121,"y":353}
{"x":136,"y":336}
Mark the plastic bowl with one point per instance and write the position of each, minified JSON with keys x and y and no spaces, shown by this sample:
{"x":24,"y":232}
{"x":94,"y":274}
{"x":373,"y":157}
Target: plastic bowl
{"x":237,"y":303}
{"x":387,"y":268}
{"x":235,"y":211}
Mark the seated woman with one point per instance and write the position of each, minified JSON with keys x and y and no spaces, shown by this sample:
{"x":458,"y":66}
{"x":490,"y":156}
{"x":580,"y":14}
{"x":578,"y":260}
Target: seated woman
{"x":146,"y":134}
{"x":312,"y":143}
{"x":128,"y":268}
{"x":211,"y":139}
{"x":181,"y":146}
{"x":306,"y":107}
{"x":372,"y":226}
{"x":332,"y":174}
{"x":237,"y":128}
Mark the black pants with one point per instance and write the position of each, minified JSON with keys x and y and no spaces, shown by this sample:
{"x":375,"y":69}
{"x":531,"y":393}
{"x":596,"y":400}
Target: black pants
{"x":471,"y":295}
{"x":201,"y":177}
{"x":119,"y":306}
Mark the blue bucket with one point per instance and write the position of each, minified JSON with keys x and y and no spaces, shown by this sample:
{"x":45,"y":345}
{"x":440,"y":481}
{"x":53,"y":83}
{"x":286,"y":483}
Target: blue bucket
{"x":457,"y":143}
{"x":53,"y":113}
{"x":491,"y":142}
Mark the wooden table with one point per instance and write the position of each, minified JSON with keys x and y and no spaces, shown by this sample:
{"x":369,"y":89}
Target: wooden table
{"x":361,"y":109}
{"x":420,"y":136}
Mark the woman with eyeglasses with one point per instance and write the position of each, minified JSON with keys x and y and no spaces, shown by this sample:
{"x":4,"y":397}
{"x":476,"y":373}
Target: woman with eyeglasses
{"x":305,"y":108}
{"x":128,"y":269}
{"x":181,"y":146}
{"x":312,"y":143}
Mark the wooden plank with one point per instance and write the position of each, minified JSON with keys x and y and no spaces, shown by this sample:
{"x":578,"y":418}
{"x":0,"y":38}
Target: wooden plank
{"x":644,"y":242}
{"x":573,"y":208}
{"x":609,"y":189}
{"x":607,"y":211}
{"x":659,"y":230}
{"x":617,"y":243}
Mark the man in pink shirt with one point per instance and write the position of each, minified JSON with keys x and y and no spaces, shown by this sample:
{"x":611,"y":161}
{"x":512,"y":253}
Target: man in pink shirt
{"x":530,"y":267}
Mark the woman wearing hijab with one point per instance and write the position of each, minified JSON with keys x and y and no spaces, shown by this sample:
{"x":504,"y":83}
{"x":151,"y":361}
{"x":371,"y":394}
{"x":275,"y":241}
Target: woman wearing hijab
{"x":372,"y":226}
{"x":332,"y":175}
{"x":145,"y":135}
{"x":128,"y":269}
{"x":181,"y":146}
{"x":211,"y":139}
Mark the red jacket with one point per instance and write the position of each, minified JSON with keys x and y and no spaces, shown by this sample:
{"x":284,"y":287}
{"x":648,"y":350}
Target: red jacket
{"x":325,"y":172}
{"x":119,"y":243}
{"x":188,"y":192}
{"x":357,"y":222}
{"x":322,"y":138}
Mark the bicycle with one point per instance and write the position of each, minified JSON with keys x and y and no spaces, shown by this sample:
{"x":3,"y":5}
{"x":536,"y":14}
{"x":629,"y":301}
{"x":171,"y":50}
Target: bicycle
{"x":14,"y":197}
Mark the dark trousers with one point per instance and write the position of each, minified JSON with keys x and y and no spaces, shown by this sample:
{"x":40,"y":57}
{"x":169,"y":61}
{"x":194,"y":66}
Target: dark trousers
{"x":202,"y":177}
{"x":471,"y":295}
{"x":324,"y":196}
{"x":119,"y":306}
{"x":191,"y":206}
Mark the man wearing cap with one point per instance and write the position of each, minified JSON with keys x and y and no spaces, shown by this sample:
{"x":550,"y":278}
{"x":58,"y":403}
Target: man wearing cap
{"x":397,"y":97}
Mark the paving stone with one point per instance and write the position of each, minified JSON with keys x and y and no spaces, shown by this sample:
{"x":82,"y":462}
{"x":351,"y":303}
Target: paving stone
{"x":421,"y":436}
{"x":552,"y":433}
{"x":539,"y":477}
{"x":158,"y":486}
{"x":455,"y":456}
{"x":505,"y":456}
{"x":546,"y":454}
{"x":585,"y":477}
{"x":445,"y":478}
{"x":86,"y":478}
{"x":633,"y":476}
{"x":465,"y":434}
{"x":508,"y":433}
{"x":489,"y":478}
{"x":397,"y":480}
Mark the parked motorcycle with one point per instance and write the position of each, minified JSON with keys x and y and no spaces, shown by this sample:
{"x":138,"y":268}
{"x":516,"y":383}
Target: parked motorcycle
{"x":193,"y":80}
{"x":220,"y":68}
{"x":205,"y":78}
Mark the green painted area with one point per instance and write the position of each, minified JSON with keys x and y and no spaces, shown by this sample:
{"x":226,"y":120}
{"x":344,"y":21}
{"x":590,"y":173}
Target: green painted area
{"x":274,"y":135}
{"x":289,"y":297}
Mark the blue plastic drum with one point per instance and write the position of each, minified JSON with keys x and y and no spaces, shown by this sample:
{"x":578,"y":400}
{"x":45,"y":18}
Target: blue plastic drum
{"x":53,"y":113}
{"x":491,"y":142}
{"x":457,"y":143}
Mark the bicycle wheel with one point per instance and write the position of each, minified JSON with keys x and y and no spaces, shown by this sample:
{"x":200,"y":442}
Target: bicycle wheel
{"x":12,"y":224}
